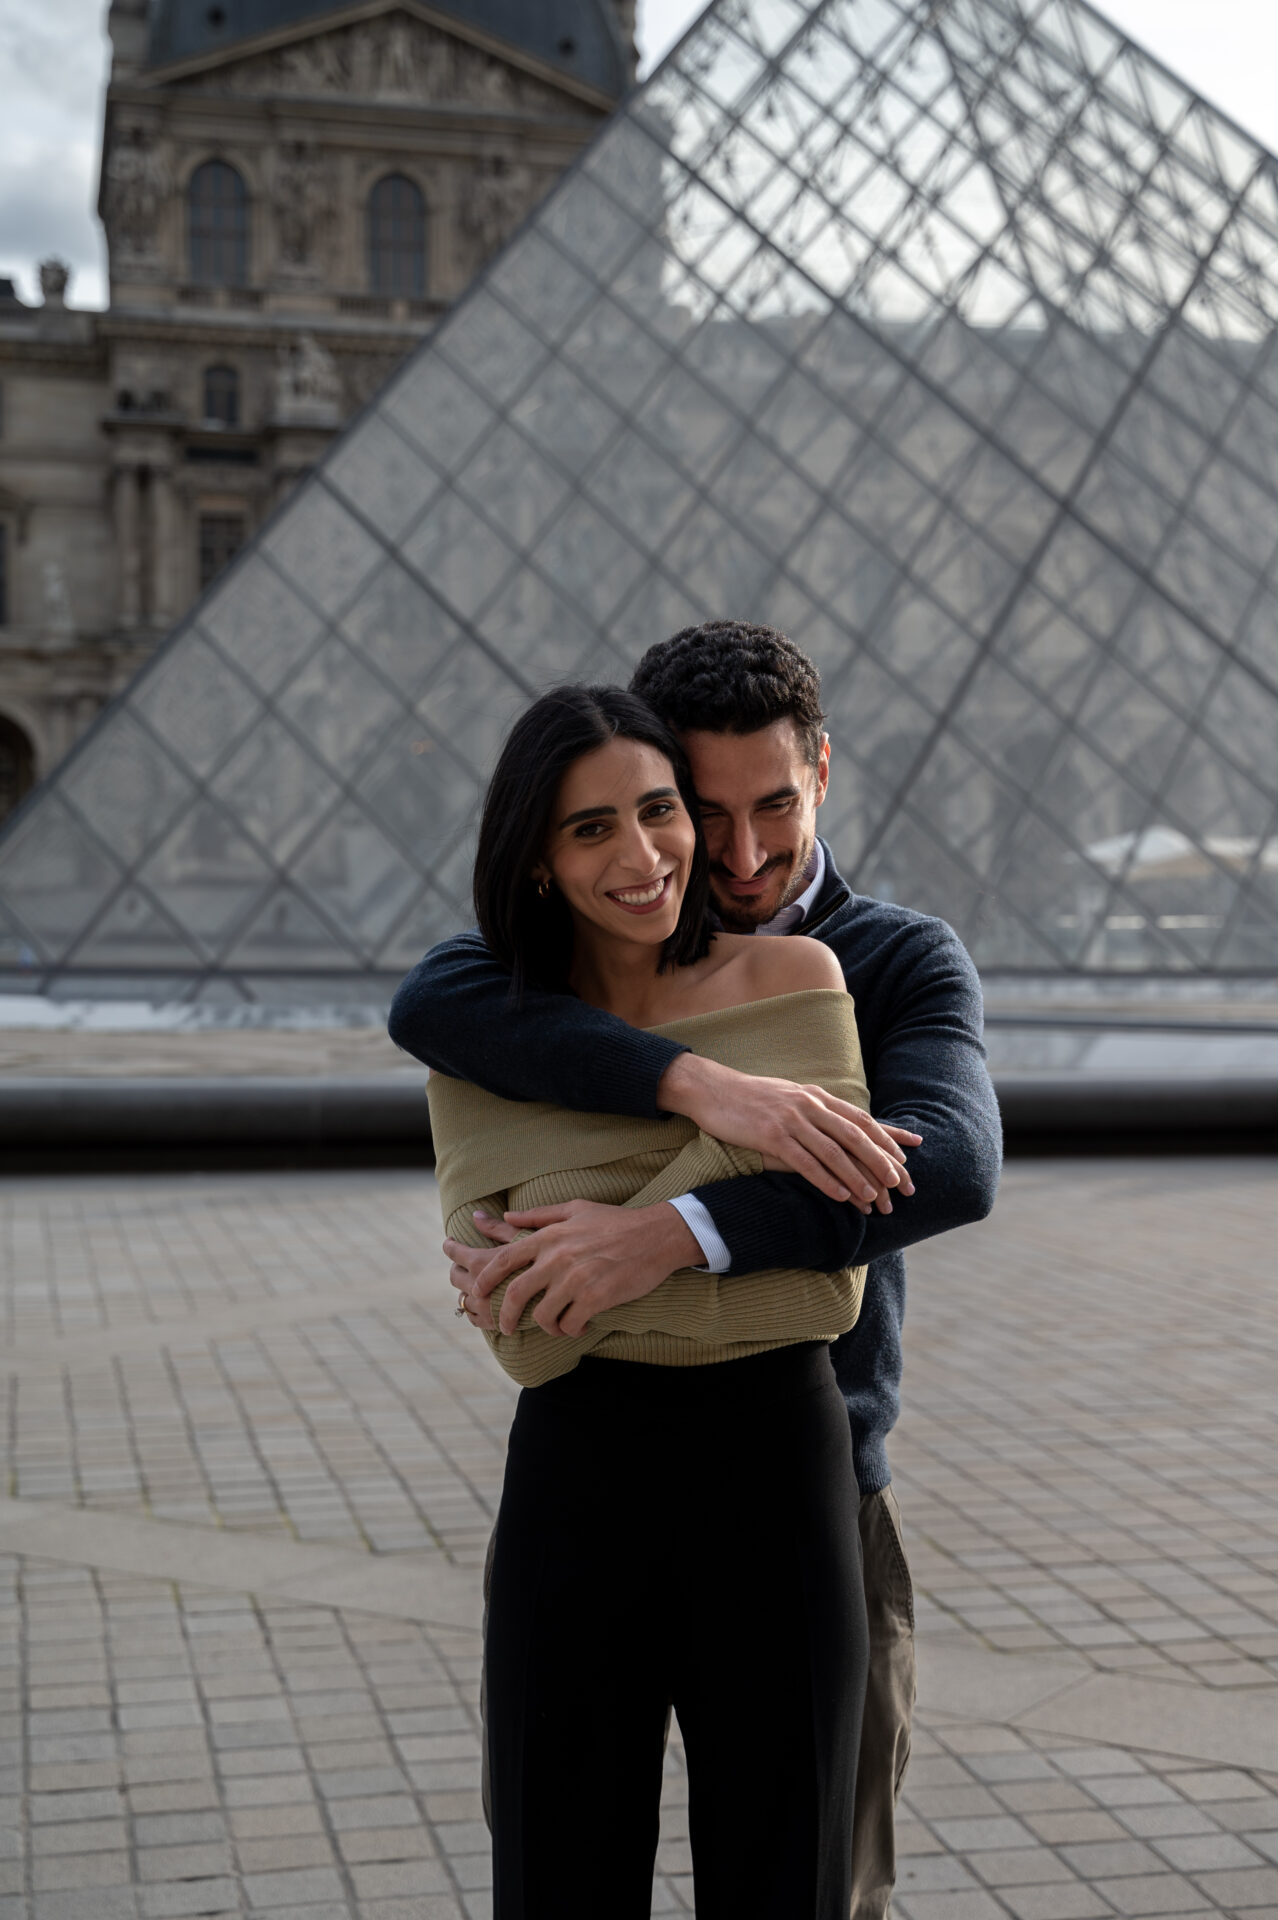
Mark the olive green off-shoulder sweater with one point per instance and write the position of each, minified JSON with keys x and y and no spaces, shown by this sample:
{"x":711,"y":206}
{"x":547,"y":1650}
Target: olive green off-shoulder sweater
{"x":499,"y":1155}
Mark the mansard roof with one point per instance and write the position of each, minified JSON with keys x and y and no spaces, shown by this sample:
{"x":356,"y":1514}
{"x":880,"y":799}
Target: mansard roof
{"x":581,"y":37}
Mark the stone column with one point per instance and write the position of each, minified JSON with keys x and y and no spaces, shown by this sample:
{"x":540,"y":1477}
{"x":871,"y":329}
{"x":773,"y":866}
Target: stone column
{"x":128,"y":544}
{"x":163,"y":547}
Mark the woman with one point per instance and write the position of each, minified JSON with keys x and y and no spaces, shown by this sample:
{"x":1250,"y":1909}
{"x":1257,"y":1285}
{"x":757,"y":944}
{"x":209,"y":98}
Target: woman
{"x":678,"y":1521}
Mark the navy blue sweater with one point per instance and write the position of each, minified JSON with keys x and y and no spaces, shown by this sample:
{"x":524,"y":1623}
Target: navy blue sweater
{"x":918,"y":1010}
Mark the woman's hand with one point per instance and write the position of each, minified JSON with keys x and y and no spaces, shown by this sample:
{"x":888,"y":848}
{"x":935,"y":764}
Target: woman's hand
{"x":580,"y":1257}
{"x":466,"y":1265}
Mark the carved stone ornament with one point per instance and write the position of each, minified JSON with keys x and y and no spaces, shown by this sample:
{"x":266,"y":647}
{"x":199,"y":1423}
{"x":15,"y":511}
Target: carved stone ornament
{"x":396,"y":58}
{"x":317,"y":65}
{"x":308,"y":387}
{"x":59,"y":621}
{"x":402,"y":71}
{"x":300,"y":199}
{"x":54,"y":275}
{"x":492,"y":202}
{"x":137,"y":185}
{"x":367,"y":374}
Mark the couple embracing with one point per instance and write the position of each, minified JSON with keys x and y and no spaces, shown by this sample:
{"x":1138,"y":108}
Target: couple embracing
{"x":681,"y":1232}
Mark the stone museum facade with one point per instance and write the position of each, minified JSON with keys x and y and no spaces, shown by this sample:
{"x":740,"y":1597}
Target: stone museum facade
{"x":292,"y":192}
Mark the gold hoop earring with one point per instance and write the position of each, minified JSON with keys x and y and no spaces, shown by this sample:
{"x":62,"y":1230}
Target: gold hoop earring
{"x":543,"y":889}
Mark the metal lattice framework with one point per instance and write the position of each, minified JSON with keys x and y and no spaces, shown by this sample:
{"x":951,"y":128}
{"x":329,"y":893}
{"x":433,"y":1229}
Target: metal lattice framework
{"x":940,"y":335}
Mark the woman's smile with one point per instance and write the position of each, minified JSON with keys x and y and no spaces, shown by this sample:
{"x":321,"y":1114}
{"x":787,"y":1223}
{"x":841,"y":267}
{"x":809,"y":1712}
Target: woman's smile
{"x":646,"y":899}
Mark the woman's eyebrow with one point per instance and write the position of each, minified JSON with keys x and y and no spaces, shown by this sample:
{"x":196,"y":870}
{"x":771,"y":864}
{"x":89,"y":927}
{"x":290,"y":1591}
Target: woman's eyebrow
{"x":585,"y":813}
{"x":595,"y":813}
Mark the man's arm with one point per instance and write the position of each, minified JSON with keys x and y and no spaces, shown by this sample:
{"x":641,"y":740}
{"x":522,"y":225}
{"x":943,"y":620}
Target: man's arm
{"x":455,"y":1012}
{"x":927,"y":1073}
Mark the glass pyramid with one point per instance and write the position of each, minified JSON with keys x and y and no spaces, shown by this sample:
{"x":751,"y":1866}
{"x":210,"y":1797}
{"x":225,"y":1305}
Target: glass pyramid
{"x":941,"y":335}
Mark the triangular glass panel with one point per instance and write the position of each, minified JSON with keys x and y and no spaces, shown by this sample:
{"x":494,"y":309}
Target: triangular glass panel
{"x":276,"y":788}
{"x":261,"y":624}
{"x":337,"y":705}
{"x":18,"y":957}
{"x":1240,"y":721}
{"x":130,"y":789}
{"x":207,"y":874}
{"x":192,"y":701}
{"x":363,"y":881}
{"x":288,"y":936}
{"x":941,"y":335}
{"x":400,"y":629}
{"x":431,"y":917}
{"x":1133,"y":726}
{"x":420,"y":789}
{"x":328,"y":552}
{"x":537,"y":631}
{"x":379,"y":472}
{"x":57,"y":876}
{"x":440,"y":411}
{"x":133,"y":935}
{"x":471,"y":703}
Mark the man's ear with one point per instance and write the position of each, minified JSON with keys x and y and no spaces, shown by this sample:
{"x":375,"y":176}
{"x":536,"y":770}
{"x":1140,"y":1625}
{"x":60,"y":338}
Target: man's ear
{"x":823,"y":769}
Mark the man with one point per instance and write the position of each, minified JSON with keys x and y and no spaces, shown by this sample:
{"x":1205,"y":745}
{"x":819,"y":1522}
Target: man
{"x":745,"y":703}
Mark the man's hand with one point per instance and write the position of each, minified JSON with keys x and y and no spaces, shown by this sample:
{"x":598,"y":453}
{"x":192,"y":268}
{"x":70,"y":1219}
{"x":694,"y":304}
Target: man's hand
{"x":580,"y":1256}
{"x":844,"y":1152}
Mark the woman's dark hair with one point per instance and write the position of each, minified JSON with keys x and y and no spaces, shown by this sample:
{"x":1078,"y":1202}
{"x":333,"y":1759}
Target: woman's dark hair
{"x":533,"y":935}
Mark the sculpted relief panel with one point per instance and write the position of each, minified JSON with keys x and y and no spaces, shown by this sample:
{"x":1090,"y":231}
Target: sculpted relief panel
{"x":390,"y":59}
{"x":138,"y":183}
{"x":493,"y":200}
{"x":302,"y":193}
{"x":307,"y":387}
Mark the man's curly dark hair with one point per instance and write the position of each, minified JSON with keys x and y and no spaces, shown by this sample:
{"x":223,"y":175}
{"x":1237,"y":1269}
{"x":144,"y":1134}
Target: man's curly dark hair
{"x":728,"y":676}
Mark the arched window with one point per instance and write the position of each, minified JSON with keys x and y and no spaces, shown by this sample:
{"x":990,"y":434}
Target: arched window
{"x":397,"y":238}
{"x":17,"y":765}
{"x":222,"y":395}
{"x":218,"y":204}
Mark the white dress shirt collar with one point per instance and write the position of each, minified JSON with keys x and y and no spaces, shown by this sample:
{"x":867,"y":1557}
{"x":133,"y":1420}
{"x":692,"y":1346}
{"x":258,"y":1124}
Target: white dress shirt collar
{"x":792,"y":917}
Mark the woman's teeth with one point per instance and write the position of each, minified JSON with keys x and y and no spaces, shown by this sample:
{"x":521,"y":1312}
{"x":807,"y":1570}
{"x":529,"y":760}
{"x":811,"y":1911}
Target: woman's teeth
{"x":642,"y":896}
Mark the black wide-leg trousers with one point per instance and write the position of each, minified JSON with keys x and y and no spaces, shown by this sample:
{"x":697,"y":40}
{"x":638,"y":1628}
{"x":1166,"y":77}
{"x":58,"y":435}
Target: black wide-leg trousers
{"x":678,"y":1537}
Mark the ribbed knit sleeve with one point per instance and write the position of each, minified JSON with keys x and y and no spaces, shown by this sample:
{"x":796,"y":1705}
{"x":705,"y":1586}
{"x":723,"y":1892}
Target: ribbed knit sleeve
{"x":506,"y":1156}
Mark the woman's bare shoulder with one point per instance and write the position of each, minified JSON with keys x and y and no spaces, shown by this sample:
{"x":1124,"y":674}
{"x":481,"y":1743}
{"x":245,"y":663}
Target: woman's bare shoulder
{"x":791,"y":963}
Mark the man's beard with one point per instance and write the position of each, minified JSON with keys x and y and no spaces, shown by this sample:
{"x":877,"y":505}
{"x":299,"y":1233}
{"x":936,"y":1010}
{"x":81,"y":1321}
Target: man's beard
{"x":744,"y":916}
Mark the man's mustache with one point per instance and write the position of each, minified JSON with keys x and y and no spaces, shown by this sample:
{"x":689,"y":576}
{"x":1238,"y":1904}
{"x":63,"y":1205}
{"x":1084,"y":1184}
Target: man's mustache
{"x":717,"y":868}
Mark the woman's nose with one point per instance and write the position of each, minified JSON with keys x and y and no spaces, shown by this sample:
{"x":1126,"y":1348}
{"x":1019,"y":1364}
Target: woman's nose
{"x":639,"y":855}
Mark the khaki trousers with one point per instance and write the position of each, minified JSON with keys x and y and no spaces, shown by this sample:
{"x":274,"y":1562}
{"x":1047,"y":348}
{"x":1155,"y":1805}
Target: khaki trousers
{"x":889,"y":1704}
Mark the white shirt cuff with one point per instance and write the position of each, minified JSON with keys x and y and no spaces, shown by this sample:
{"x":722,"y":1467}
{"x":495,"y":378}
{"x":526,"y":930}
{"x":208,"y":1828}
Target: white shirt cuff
{"x":696,"y":1217}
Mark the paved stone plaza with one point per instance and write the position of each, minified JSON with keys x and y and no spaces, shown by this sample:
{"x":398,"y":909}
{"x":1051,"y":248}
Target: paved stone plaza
{"x":253,"y":1464}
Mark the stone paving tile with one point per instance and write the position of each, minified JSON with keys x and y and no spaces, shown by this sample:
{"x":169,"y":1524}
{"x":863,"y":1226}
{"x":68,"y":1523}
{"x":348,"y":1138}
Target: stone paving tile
{"x":278,"y":1850}
{"x":1103,"y":1504}
{"x":1083,"y":1463}
{"x":379,"y":1429}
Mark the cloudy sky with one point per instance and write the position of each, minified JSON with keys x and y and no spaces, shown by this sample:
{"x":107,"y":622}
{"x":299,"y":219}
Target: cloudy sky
{"x":53,"y":60}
